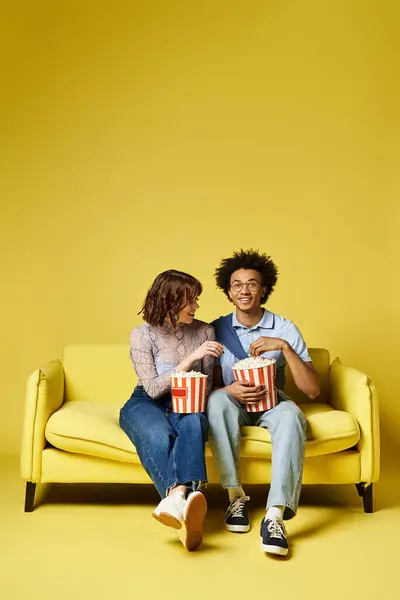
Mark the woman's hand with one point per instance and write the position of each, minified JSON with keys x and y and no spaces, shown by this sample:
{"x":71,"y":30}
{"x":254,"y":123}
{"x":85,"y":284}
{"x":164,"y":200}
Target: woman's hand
{"x":207,"y":349}
{"x":246,"y":392}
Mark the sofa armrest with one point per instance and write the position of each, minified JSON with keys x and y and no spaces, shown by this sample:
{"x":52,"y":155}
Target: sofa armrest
{"x":353,"y":392}
{"x":44,"y":396}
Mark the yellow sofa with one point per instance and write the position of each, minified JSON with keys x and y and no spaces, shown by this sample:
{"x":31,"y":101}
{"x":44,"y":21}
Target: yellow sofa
{"x":71,"y":432}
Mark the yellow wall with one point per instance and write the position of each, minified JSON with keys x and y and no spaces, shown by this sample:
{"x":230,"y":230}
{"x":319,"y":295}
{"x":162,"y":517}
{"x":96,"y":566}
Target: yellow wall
{"x":140,"y":136}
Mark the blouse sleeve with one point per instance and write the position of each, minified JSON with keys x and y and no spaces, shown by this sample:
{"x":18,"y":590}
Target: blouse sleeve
{"x":207,"y":364}
{"x":142,"y":357}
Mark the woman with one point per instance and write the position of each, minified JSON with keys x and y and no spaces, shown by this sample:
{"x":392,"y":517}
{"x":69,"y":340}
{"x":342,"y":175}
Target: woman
{"x":170,"y":445}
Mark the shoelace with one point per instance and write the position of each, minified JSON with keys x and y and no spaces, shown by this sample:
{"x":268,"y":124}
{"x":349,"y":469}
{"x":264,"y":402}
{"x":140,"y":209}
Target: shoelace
{"x":276,"y":528}
{"x":236,"y":507}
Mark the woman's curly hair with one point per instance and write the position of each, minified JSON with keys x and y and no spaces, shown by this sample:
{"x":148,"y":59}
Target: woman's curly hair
{"x":169,"y":293}
{"x":247,"y":259}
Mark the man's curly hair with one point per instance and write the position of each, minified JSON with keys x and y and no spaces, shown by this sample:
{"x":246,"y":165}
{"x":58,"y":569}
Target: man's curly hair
{"x":248,"y":259}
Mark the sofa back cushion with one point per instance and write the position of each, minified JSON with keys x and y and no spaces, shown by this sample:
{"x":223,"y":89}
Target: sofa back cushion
{"x":104,"y":372}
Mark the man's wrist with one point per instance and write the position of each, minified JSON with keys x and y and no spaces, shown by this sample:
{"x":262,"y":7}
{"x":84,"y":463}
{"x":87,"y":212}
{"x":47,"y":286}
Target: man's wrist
{"x":228,"y":390}
{"x":285,"y":347}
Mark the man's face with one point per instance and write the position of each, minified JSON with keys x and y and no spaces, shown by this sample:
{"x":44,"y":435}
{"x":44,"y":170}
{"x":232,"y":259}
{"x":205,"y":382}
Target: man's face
{"x":246,"y":290}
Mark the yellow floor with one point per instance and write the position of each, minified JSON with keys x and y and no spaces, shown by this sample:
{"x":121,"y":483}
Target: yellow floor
{"x":102,"y":543}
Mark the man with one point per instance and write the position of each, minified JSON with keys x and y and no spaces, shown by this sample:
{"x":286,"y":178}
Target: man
{"x":247,"y":279}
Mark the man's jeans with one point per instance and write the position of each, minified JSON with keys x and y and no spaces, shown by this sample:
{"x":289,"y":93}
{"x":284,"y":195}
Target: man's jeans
{"x":287,"y":427}
{"x":170,"y":445}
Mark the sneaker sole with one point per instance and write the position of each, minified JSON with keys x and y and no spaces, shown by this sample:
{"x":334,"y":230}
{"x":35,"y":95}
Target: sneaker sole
{"x":274,"y":549}
{"x":168,"y":520}
{"x":193,"y":516}
{"x":238,"y":528}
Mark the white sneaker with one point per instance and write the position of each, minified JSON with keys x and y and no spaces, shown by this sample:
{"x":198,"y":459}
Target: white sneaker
{"x":170,"y":510}
{"x":194,"y":511}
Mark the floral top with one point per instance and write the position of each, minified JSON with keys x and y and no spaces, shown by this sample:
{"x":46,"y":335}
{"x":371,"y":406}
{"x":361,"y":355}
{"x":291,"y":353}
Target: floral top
{"x":156,"y":351}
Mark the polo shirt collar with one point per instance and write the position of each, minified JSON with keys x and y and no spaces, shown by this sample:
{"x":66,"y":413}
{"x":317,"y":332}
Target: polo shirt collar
{"x":267,"y":321}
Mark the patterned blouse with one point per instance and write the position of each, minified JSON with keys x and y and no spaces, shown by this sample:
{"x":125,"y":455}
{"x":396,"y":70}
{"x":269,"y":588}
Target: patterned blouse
{"x":156,"y":351}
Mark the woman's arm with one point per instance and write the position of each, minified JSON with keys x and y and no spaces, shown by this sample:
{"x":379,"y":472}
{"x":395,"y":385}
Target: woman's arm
{"x":142,"y":357}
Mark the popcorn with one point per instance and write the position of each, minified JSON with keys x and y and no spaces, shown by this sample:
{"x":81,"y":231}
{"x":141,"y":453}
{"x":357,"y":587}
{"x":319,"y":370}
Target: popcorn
{"x":253,"y":363}
{"x":259,"y":371}
{"x":188,"y":374}
{"x":188,"y":391}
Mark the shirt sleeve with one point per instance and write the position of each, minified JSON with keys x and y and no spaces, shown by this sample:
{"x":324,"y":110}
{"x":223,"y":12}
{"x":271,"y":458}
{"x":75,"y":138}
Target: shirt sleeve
{"x":142,"y":357}
{"x":207,"y":364}
{"x":295,"y":339}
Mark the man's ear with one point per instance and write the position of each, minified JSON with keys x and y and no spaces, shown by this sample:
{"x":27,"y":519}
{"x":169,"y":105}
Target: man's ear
{"x":230,"y":296}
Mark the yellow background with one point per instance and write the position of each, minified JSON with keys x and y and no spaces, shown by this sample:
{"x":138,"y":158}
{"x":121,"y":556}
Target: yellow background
{"x":141,"y":136}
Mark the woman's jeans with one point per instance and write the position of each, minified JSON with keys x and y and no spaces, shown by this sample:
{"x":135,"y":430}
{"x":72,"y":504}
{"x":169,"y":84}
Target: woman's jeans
{"x":170,"y":445}
{"x":287,"y":427}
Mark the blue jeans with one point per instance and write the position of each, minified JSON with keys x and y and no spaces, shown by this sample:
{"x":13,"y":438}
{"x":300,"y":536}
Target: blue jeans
{"x":170,"y":445}
{"x":287,"y":427}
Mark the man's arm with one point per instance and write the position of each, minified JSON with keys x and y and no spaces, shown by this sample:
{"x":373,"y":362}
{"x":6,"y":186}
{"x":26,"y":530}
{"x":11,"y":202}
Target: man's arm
{"x":304,"y":375}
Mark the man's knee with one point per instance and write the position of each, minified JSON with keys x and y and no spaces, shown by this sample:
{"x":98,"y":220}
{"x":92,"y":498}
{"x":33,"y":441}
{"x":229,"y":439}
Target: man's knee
{"x":291,"y":417}
{"x":218,"y":404}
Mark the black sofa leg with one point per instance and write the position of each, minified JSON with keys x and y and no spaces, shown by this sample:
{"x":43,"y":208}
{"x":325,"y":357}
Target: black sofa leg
{"x":29,"y":496}
{"x":366,"y":494}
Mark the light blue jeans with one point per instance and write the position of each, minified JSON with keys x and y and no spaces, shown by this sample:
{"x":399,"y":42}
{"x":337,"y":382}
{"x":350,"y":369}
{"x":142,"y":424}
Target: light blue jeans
{"x":287,"y":427}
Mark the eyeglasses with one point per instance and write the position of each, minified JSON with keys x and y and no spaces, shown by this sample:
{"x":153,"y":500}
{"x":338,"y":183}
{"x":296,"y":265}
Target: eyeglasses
{"x":252,"y":286}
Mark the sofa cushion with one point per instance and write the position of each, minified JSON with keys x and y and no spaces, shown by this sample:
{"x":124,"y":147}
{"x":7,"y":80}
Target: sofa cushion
{"x":328,"y":431}
{"x":90,"y":427}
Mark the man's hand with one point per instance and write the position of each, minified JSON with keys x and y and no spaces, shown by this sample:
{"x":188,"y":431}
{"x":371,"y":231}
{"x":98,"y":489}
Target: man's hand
{"x":266,"y":344}
{"x":245,"y":391}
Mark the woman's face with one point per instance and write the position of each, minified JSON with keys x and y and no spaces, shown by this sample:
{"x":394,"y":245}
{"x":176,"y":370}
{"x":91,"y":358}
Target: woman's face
{"x":188,"y":311}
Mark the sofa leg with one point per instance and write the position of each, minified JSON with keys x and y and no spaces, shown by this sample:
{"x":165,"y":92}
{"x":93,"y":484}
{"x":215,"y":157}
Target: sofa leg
{"x":366,"y":494}
{"x":29,"y":496}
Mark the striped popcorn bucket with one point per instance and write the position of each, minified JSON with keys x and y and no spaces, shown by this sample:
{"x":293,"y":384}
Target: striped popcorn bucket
{"x":260,"y":375}
{"x":188,"y":394}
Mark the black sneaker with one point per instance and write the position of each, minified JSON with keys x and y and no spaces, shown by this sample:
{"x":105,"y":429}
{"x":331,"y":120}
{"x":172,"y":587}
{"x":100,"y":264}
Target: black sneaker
{"x":273,"y":536}
{"x":237,"y":516}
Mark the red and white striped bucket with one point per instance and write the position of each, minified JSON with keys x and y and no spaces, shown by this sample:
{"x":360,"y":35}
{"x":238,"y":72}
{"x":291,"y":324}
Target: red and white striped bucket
{"x":188,"y":394}
{"x":260,"y":375}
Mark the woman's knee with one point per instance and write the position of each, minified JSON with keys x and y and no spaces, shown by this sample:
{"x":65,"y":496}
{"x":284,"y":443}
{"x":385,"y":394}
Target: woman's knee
{"x":135,"y":423}
{"x":130,"y":409}
{"x":193,"y":422}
